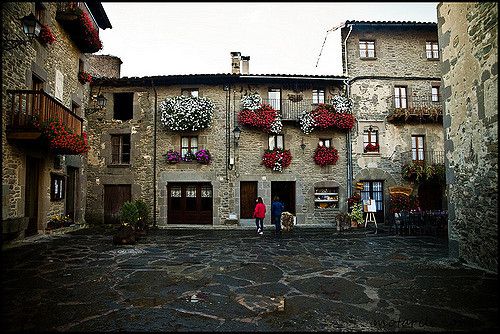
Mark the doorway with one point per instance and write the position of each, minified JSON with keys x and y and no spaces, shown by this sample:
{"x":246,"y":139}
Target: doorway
{"x":190,"y":203}
{"x":71,"y":192}
{"x":285,"y":190}
{"x":374,"y":190}
{"x":248,"y":194}
{"x":31,"y":194}
{"x":115,"y":195}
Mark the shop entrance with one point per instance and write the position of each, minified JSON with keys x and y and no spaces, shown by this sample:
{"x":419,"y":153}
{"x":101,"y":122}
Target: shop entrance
{"x":285,"y":190}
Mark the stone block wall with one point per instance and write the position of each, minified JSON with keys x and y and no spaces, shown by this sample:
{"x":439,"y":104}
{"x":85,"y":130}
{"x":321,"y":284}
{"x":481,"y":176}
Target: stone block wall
{"x":104,"y":66}
{"x":468,"y":37}
{"x":18,"y":67}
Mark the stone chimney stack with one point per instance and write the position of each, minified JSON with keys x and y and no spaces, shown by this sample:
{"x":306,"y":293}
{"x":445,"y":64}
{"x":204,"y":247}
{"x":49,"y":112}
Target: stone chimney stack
{"x":235,"y":62}
{"x":245,"y":62}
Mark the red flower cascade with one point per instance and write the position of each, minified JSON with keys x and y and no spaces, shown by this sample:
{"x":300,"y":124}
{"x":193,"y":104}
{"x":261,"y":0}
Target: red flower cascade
{"x":261,"y":118}
{"x":46,"y":35}
{"x":325,"y":116}
{"x":326,"y":155}
{"x":61,"y":139}
{"x":277,"y":159}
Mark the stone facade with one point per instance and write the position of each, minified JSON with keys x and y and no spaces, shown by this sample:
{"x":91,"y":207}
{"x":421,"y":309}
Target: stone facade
{"x":468,"y":37}
{"x":224,"y":177}
{"x":20,"y":66}
{"x":400,"y":60}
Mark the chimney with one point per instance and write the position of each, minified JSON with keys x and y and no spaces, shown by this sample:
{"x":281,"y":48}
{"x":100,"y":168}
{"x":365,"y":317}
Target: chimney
{"x":235,"y":62}
{"x":244,"y":64}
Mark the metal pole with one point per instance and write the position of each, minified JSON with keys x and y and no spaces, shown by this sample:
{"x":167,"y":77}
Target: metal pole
{"x":154,"y":155}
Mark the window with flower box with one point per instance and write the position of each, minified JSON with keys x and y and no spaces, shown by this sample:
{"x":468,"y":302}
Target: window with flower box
{"x":276,"y":141}
{"x":370,"y":141}
{"x":190,"y":92}
{"x":326,"y":142}
{"x":120,"y":149}
{"x":189,"y":144}
{"x":326,"y":197}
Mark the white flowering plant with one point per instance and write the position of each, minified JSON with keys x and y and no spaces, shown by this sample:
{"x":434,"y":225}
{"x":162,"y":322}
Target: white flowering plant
{"x":342,"y":104}
{"x":336,"y":114}
{"x":187,"y":113}
{"x":251,"y":102}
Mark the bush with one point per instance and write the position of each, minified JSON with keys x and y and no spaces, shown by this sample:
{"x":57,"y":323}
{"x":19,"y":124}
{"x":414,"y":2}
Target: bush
{"x":143,"y":210}
{"x":129,"y":214}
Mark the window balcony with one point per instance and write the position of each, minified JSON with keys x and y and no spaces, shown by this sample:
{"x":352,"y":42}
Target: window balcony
{"x":416,"y":109}
{"x":427,"y":157}
{"x":78,"y":21}
{"x":25,"y":107}
{"x":291,"y":109}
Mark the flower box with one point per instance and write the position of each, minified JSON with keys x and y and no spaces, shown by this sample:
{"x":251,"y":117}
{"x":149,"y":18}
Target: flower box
{"x":325,"y":156}
{"x":336,"y":115}
{"x":277,"y":159}
{"x":187,"y":113}
{"x":84,"y":77}
{"x":61,"y":140}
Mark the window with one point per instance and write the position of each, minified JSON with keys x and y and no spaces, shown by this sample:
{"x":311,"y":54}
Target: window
{"x":75,"y":108}
{"x":274,"y":95}
{"x":400,"y":98}
{"x":123,"y":106}
{"x":276,"y":141}
{"x":56,"y":187}
{"x":189,"y":144}
{"x":190,"y":92}
{"x":435,"y":94}
{"x":432,"y":50}
{"x":80,"y":65}
{"x":326,"y":198}
{"x":370,"y":140}
{"x":327,"y":142}
{"x":120,"y":149}
{"x":40,"y":12}
{"x":366,"y":49}
{"x":417,"y":148}
{"x":318,"y":96}
{"x":374,"y":190}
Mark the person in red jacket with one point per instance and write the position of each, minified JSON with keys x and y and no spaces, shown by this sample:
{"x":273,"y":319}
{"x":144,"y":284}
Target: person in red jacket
{"x":259,"y":214}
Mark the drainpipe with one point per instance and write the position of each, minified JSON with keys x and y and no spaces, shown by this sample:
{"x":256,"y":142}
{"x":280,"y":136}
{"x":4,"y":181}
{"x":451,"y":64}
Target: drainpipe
{"x":154,"y":155}
{"x":349,"y":148}
{"x":345,"y":49}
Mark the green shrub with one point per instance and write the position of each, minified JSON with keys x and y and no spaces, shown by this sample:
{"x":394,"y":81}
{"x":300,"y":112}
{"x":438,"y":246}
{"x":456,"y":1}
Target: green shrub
{"x":143,"y":211}
{"x":129,"y":214}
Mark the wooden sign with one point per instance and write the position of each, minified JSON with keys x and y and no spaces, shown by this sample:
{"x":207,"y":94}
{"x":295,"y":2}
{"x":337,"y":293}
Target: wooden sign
{"x":359,"y":185}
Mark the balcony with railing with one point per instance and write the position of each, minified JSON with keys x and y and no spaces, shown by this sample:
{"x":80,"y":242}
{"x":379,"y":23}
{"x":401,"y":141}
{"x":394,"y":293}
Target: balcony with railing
{"x":291,"y":109}
{"x":77,"y":20}
{"x":25,"y":108}
{"x":425,"y":157}
{"x":416,"y":109}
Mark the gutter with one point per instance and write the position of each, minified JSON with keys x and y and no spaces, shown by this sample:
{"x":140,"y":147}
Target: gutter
{"x":154,"y":155}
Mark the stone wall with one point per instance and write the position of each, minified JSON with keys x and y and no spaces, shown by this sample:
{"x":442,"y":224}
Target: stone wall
{"x":104,"y":66}
{"x":468,"y":38}
{"x":18,"y":67}
{"x":225,"y":182}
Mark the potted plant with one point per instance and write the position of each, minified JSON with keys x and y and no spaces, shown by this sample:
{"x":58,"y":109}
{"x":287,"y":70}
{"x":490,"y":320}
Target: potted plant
{"x":173,"y":157}
{"x":84,"y":77}
{"x":356,"y":215}
{"x":203,"y":156}
{"x":60,"y":139}
{"x":372,"y":147}
{"x":189,"y":157}
{"x":46,"y":36}
{"x":343,"y":220}
{"x":58,"y":221}
{"x":142,"y":222}
{"x":264,"y":118}
{"x":325,"y":156}
{"x":336,"y":115}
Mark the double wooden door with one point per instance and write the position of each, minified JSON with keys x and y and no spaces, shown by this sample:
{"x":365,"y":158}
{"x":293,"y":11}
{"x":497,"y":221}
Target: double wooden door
{"x":190,"y":203}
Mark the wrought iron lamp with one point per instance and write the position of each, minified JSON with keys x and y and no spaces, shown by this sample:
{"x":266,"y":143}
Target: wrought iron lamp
{"x":31,"y":28}
{"x":303,"y":145}
{"x":99,"y":102}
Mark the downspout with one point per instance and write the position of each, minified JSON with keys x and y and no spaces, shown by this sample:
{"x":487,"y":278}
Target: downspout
{"x":348,"y":135}
{"x":154,"y":155}
{"x":345,"y":50}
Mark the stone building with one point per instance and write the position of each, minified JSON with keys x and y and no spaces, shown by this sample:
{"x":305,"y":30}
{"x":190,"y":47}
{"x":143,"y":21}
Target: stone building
{"x":468,"y":36}
{"x":394,"y":79}
{"x":129,"y":142}
{"x":43,"y":79}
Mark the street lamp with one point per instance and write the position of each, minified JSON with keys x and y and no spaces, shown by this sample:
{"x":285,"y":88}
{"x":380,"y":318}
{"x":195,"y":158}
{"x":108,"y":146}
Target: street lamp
{"x":237,"y":133}
{"x":31,"y":28}
{"x":99,"y":102}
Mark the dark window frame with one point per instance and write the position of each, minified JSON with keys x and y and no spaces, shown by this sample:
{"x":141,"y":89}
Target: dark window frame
{"x":398,"y":96}
{"x":432,"y":50}
{"x":189,"y":92}
{"x":57,"y":187}
{"x":190,"y":147}
{"x":324,"y":141}
{"x":316,"y":95}
{"x":417,"y":153}
{"x":371,"y":137}
{"x":119,"y":154}
{"x":364,"y":50}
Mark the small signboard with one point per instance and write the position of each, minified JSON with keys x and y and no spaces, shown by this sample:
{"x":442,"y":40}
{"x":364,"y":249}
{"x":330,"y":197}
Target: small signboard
{"x":369,"y":205}
{"x":359,"y":185}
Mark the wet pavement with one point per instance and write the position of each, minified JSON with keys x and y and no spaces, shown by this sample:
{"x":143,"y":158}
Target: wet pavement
{"x":236,"y":280}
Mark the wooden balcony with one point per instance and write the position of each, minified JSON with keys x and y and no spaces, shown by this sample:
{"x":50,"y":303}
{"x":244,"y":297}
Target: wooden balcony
{"x":416,"y":109}
{"x":23,"y":107}
{"x":292,"y":109}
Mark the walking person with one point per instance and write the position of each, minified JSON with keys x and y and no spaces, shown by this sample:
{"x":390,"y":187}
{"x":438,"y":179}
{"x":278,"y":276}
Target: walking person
{"x":277,"y":208}
{"x":259,"y":214}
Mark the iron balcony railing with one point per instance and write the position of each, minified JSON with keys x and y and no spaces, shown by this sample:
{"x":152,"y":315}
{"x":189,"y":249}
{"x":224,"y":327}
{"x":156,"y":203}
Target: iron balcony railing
{"x":428,"y":157}
{"x":416,"y":108}
{"x":26,"y":106}
{"x":291,"y":110}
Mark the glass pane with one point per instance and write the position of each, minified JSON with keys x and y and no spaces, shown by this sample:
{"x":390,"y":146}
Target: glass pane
{"x":184,"y":141}
{"x":279,"y":139}
{"x":271,"y":142}
{"x":175,"y":191}
{"x":191,"y":191}
{"x":206,"y":191}
{"x":194,"y":144}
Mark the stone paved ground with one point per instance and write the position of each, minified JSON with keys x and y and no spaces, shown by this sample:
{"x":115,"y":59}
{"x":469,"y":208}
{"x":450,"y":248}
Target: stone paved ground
{"x":235,"y":280}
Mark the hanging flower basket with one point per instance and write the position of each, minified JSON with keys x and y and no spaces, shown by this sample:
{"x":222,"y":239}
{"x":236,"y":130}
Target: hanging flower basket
{"x":336,"y":115}
{"x":89,"y":35}
{"x":46,"y":36}
{"x":325,"y":156}
{"x":277,"y":159}
{"x":61,"y":140}
{"x":84,"y":77}
{"x":255,"y":114}
{"x":186,"y":113}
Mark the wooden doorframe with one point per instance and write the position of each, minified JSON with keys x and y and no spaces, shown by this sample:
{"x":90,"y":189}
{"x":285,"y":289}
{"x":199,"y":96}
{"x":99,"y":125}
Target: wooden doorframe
{"x":71,"y":192}
{"x":248,"y":194}
{"x":31,"y":193}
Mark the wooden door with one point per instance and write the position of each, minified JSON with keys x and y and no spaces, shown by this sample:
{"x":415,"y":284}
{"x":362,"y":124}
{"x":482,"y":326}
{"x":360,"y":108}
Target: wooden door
{"x":248,"y":194}
{"x":115,"y":196}
{"x":31,"y":194}
{"x":190,"y":203}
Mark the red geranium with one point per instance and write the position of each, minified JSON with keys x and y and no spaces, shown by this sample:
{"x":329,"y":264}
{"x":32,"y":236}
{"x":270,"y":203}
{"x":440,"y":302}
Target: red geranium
{"x":325,"y":155}
{"x":261,"y":118}
{"x":325,"y":116}
{"x":46,"y":35}
{"x":90,"y":35}
{"x":84,"y":77}
{"x":63,"y":140}
{"x":372,"y":147}
{"x":277,"y":159}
